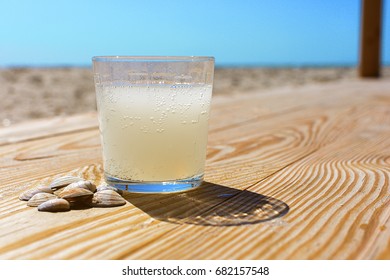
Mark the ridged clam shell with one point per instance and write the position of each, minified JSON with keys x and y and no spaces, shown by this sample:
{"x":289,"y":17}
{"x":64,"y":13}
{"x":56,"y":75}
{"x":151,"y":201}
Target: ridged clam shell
{"x":107,"y":187}
{"x":31,"y":192}
{"x":107,"y":198}
{"x":40,"y":198}
{"x":54,"y":205}
{"x":76,"y":195}
{"x":64,"y":181}
{"x":87,"y":185}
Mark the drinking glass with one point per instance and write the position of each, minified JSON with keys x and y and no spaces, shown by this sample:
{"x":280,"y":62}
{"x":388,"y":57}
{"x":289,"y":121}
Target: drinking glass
{"x":153,"y":119}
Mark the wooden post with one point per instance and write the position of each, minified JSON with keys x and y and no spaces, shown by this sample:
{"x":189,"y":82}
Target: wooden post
{"x":370,"y":38}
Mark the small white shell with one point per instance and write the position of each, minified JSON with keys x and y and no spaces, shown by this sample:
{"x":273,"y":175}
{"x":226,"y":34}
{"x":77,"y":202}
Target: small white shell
{"x":26,"y":195}
{"x":54,"y":205}
{"x":107,"y":187}
{"x":107,"y":198}
{"x":63,"y":181}
{"x":76,"y":195}
{"x":40,"y":198}
{"x":87,"y":185}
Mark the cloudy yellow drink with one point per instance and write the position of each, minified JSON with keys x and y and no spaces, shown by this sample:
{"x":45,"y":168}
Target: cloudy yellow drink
{"x":154,"y":133}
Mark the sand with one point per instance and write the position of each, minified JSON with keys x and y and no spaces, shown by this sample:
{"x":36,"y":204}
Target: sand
{"x":32,"y":93}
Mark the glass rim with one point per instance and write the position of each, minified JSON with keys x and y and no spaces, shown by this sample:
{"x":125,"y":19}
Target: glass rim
{"x":125,"y":58}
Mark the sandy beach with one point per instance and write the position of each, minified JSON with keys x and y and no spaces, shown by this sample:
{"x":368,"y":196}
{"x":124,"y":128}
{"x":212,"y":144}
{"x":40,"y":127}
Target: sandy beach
{"x":32,"y":93}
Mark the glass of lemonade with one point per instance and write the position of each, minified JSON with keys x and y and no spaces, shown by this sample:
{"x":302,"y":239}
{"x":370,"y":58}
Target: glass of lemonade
{"x":153,"y":120}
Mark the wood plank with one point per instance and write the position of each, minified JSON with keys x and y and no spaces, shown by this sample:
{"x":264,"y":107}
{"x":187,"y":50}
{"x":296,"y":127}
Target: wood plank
{"x":47,"y":127}
{"x":370,"y":38}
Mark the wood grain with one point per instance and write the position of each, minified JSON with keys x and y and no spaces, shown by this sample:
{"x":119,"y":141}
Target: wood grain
{"x":43,"y":128}
{"x":291,"y":174}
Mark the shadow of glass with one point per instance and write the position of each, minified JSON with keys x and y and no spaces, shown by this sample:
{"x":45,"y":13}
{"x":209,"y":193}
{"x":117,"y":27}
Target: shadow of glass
{"x":210,"y":205}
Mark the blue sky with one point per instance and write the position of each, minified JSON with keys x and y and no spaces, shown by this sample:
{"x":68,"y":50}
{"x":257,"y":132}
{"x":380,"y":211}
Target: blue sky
{"x":241,"y":32}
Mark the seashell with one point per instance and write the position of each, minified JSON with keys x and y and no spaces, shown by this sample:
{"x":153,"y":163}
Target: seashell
{"x":88,"y":185}
{"x":76,"y":195}
{"x":54,"y":205}
{"x":63,"y":181}
{"x":40,"y":198}
{"x":107,"y":187}
{"x":31,"y":192}
{"x":107,"y":198}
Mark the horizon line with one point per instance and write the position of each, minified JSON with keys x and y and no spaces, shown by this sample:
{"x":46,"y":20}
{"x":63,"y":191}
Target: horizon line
{"x":217,"y":65}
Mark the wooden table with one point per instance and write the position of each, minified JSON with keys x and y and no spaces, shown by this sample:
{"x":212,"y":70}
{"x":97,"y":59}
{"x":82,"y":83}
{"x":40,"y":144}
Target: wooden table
{"x":291,"y":174}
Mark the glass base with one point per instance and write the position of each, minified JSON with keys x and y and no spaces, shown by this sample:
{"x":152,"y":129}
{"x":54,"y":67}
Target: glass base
{"x":155,"y":187}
